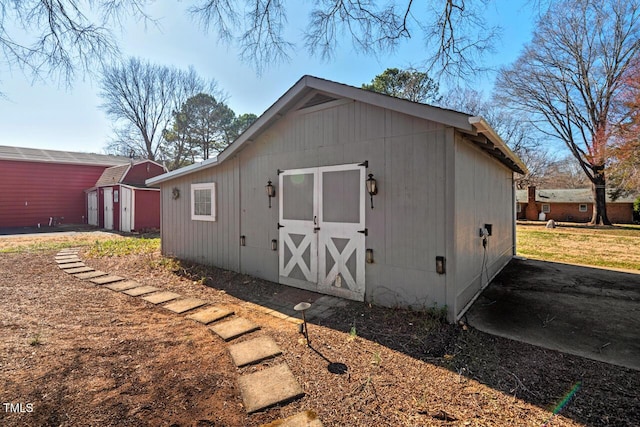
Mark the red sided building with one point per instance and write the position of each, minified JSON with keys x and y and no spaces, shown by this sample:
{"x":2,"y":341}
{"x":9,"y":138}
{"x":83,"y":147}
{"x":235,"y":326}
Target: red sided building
{"x":120,"y":200}
{"x":46,"y":187}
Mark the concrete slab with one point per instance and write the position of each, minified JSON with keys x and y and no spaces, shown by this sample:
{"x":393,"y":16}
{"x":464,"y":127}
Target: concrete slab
{"x":234,"y":328}
{"x":71,"y":265}
{"x":254,"y":351}
{"x":302,"y":419}
{"x":123,"y":286}
{"x":141,"y":290}
{"x":77,"y":270}
{"x":90,"y":274}
{"x":160,"y":297}
{"x":105,"y":280}
{"x":184,"y":305}
{"x":269,"y":387}
{"x":210,"y":314}
{"x":589,"y":312}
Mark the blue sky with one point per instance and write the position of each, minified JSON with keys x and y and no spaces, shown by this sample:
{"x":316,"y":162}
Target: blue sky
{"x":43,"y":115}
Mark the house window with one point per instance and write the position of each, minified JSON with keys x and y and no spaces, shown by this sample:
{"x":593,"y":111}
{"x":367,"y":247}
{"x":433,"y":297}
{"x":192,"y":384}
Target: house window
{"x":582,"y":207}
{"x":546,"y":208}
{"x":203,"y":201}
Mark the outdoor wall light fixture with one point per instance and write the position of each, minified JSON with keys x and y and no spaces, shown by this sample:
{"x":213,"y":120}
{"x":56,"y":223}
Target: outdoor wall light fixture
{"x":271,"y":191}
{"x":243,"y":240}
{"x":372,"y":187}
{"x":274,"y":245}
{"x":440,"y":265}
{"x":369,"y":256}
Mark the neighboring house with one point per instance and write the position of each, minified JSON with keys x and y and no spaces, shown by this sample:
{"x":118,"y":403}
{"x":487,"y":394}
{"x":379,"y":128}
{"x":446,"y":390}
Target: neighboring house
{"x":120,"y":200}
{"x":570,"y":205}
{"x":442,"y":179}
{"x":42,"y":187}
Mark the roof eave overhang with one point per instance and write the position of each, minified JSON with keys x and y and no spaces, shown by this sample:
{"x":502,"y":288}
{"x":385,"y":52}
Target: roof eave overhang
{"x":307,"y":84}
{"x":496,"y":147}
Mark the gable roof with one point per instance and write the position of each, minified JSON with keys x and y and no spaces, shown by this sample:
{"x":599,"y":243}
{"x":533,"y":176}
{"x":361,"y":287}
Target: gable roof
{"x":112,"y":175}
{"x":117,"y":174}
{"x":54,"y":156}
{"x":568,"y":195}
{"x":310,"y":91}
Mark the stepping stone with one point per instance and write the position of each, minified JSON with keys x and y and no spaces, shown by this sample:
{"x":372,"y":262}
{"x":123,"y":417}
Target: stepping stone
{"x":71,"y":265}
{"x":123,"y":286}
{"x":141,"y":290}
{"x":302,"y":419}
{"x":234,"y":328}
{"x":160,"y":297}
{"x":210,"y":314}
{"x":254,"y":351}
{"x":76,"y":270}
{"x":104,"y":280}
{"x":67,"y":261}
{"x":183,"y":305}
{"x":268,"y":387}
{"x":68,"y":252}
{"x":67,"y":258}
{"x":90,"y":274}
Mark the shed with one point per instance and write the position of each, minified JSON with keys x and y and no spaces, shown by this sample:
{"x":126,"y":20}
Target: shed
{"x":570,"y":204}
{"x":440,"y":224}
{"x":120,"y":200}
{"x":42,"y":187}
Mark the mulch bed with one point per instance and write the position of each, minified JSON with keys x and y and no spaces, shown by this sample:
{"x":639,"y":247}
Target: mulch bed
{"x":88,"y":356}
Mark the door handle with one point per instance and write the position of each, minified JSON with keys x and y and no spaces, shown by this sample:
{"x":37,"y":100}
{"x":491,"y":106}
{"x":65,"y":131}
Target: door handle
{"x":315,"y":220}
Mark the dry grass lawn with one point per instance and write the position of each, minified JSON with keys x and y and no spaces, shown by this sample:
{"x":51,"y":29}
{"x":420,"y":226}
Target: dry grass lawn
{"x":611,"y":247}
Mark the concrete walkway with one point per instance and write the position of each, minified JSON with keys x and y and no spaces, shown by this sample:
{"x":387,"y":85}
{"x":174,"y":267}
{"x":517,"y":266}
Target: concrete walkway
{"x":586,"y":311}
{"x":268,"y":387}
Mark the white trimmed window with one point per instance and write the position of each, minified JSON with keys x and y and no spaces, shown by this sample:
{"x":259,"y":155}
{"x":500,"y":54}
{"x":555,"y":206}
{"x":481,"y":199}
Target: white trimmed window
{"x":546,"y":208}
{"x":582,"y":207}
{"x":203,"y":201}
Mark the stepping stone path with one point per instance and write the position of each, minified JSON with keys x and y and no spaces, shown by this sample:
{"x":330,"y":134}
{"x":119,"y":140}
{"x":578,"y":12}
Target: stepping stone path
{"x":123,"y":286}
{"x":234,"y":328}
{"x":254,"y":351}
{"x":68,"y":260}
{"x":209,"y":315}
{"x":160,"y":297}
{"x":269,"y":387}
{"x":90,"y":274}
{"x":71,"y":265}
{"x":184,"y":305}
{"x":141,"y":290}
{"x":78,"y":270}
{"x":260,"y":390}
{"x":105,"y":280}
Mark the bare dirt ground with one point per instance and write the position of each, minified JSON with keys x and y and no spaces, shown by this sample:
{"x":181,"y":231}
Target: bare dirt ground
{"x":84,"y":355}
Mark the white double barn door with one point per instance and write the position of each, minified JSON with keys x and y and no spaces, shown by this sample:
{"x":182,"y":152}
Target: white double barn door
{"x":322,"y":229}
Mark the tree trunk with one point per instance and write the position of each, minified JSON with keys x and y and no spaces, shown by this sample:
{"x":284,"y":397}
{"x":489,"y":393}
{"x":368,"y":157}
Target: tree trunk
{"x":599,"y":216}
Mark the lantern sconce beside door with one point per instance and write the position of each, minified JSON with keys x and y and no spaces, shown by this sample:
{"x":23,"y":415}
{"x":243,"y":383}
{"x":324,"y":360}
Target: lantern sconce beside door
{"x":271,"y":191}
{"x":372,"y":187}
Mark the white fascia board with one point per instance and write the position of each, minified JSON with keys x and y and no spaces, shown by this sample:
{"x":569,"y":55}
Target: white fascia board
{"x":182,"y":171}
{"x":484,"y":128}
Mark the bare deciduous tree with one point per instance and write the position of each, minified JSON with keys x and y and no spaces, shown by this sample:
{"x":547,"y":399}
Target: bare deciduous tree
{"x":517,"y":133}
{"x":141,"y":97}
{"x":61,"y":37}
{"x":568,"y":77}
{"x":454,"y":31}
{"x":58,"y":38}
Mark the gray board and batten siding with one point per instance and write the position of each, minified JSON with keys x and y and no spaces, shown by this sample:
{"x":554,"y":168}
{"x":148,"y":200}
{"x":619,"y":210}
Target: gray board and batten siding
{"x":436,"y":190}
